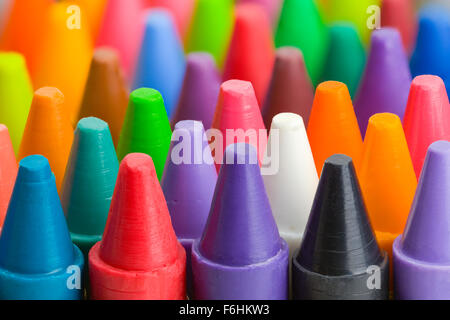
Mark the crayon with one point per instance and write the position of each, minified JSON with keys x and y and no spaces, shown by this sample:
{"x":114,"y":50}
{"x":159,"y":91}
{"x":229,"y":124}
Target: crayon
{"x":16,"y":93}
{"x":400,"y":14}
{"x":433,"y":44}
{"x":38,"y":261}
{"x":139,"y":256}
{"x":18,"y":36}
{"x":161,"y":64}
{"x":363,"y":14}
{"x":94,"y":11}
{"x":48,"y":131}
{"x":210,"y":29}
{"x":381,"y":89}
{"x":301,"y":26}
{"x":387,"y":177}
{"x":117,"y":31}
{"x":238,"y":119}
{"x":290,"y":88}
{"x":63,"y":56}
{"x":5,"y":11}
{"x":89,"y":182}
{"x":339,"y":258}
{"x":182,"y":12}
{"x":346,"y":57}
{"x":200,"y":90}
{"x":188,"y":184}
{"x":8,"y":171}
{"x":427,"y":117}
{"x":333,"y":127}
{"x":251,"y":54}
{"x":271,"y":7}
{"x":240,"y":255}
{"x":146,"y":128}
{"x":421,"y":254}
{"x":106,"y":93}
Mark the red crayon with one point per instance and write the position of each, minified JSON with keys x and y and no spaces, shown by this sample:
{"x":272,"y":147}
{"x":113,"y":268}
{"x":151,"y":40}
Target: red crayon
{"x":139,"y":257}
{"x":251,"y":55}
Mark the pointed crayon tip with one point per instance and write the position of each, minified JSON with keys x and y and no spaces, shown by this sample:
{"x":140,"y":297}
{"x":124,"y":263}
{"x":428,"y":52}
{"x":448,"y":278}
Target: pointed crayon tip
{"x":339,"y":245}
{"x":433,"y":43}
{"x":292,"y":188}
{"x":138,"y":241}
{"x":240,"y":243}
{"x":8,"y":171}
{"x":211,"y":28}
{"x":251,"y":53}
{"x":146,"y":128}
{"x":333,"y":127}
{"x":427,"y":117}
{"x":106,"y":92}
{"x":346,"y":57}
{"x":200,"y":90}
{"x":48,"y":131}
{"x":301,"y":26}
{"x":161,"y":63}
{"x":381,"y":90}
{"x":290,"y":89}
{"x":422,"y":253}
{"x":15,"y":93}
{"x":89,"y":181}
{"x":238,"y":112}
{"x":35,"y":245}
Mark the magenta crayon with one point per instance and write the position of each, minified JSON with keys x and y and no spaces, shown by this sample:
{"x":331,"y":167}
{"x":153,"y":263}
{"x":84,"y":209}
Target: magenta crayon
{"x":188,"y":184}
{"x":200,"y":90}
{"x":422,"y":253}
{"x":386,"y":80}
{"x":240,"y":255}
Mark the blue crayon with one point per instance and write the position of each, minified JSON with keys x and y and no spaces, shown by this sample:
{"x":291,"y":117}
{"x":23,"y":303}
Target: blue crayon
{"x":38,"y":260}
{"x":161,"y":63}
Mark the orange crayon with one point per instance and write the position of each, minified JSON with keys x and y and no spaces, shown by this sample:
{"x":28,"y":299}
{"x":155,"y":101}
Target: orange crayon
{"x":333,"y":127}
{"x":94,"y":10}
{"x":48,"y":131}
{"x":387,"y":178}
{"x":106,"y":93}
{"x":63,"y":56}
{"x":8,"y":171}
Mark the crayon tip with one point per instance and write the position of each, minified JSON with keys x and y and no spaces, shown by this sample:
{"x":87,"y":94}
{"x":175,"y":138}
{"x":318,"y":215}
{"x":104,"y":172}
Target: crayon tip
{"x":333,"y":127}
{"x":161,"y":63}
{"x":8,"y":171}
{"x":271,"y":7}
{"x":211,"y":28}
{"x":251,"y":53}
{"x":427,"y":117}
{"x":339,"y":245}
{"x":35,"y":249}
{"x":422,"y":253}
{"x":296,"y":17}
{"x":381,"y":90}
{"x":433,"y":43}
{"x":48,"y":131}
{"x":200,"y":90}
{"x":292,"y":188}
{"x":240,"y":242}
{"x":237,"y":109}
{"x":146,"y":128}
{"x":346,"y":57}
{"x":138,"y":240}
{"x":15,"y":94}
{"x":89,"y":182}
{"x":290,"y":89}
{"x":106,"y":92}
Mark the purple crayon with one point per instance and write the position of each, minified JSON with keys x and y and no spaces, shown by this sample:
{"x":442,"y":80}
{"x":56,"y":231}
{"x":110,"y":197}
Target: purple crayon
{"x":240,"y":255}
{"x":422,"y":253}
{"x":386,"y":80}
{"x":200,"y":90}
{"x":188,"y":184}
